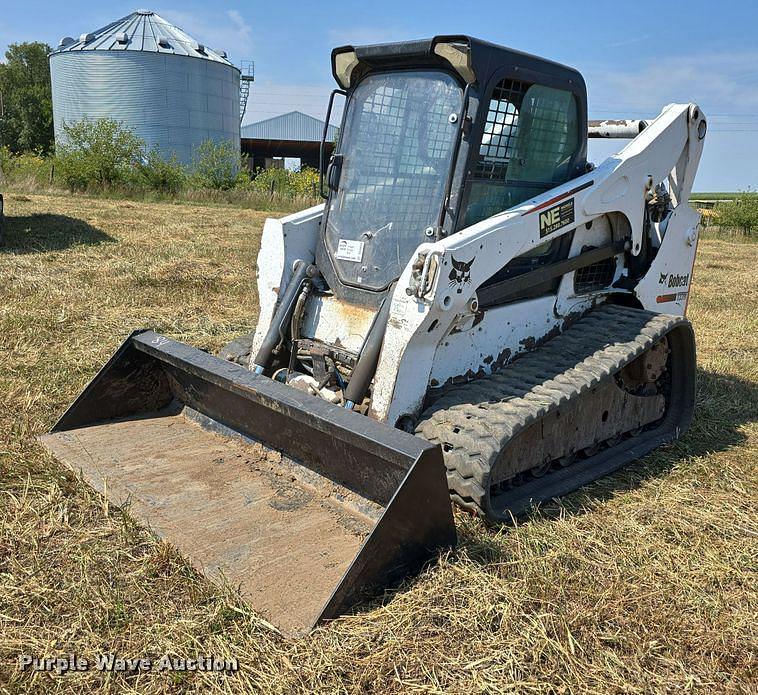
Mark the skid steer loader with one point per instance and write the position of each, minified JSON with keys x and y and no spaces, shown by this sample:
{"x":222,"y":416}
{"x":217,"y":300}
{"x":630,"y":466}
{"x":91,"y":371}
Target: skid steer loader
{"x":476,"y":311}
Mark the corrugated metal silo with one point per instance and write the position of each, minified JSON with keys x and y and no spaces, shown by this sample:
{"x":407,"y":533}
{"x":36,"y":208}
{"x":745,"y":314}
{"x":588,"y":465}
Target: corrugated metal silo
{"x":172,"y":91}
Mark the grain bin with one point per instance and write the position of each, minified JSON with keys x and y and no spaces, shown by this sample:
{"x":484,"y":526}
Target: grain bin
{"x":170,"y":90}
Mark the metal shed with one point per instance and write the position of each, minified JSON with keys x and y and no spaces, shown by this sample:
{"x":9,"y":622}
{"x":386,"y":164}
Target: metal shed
{"x":294,"y":134}
{"x":141,"y":70}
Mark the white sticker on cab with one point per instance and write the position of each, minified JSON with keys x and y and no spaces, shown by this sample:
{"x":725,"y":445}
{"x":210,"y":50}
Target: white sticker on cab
{"x":349,"y":250}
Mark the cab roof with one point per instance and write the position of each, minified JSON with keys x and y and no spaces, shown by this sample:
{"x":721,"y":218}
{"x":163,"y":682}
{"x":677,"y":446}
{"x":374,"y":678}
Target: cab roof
{"x":475,"y":60}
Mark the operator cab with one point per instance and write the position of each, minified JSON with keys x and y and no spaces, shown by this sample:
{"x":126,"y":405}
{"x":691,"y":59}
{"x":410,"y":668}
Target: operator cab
{"x":437,"y":135}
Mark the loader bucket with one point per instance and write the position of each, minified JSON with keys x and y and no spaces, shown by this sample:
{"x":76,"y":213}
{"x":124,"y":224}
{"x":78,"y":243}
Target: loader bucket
{"x":307,"y":507}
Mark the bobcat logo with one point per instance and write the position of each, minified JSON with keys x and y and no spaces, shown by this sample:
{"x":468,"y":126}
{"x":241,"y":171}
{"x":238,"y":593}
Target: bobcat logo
{"x":460,"y":275}
{"x":663,"y":278}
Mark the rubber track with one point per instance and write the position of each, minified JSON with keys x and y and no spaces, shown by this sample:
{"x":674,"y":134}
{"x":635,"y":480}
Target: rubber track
{"x":474,"y":421}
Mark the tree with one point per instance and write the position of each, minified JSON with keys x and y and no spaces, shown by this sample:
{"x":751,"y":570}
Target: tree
{"x":166,"y":175}
{"x":217,"y":164}
{"x":740,"y":213}
{"x":26,"y":113}
{"x":98,"y":154}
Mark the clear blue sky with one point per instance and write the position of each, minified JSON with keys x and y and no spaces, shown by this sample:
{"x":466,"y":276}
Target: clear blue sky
{"x":635,"y":57}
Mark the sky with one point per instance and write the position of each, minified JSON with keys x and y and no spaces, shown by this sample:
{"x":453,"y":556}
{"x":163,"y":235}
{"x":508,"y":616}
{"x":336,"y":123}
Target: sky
{"x":635,"y":57}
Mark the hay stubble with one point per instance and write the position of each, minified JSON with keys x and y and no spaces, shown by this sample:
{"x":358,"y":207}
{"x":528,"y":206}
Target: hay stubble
{"x":645,"y":582}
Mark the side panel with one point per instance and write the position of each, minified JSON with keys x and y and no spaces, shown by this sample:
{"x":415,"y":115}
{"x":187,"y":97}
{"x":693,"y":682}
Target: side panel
{"x":283,"y":242}
{"x":500,"y":334}
{"x":666,"y":286}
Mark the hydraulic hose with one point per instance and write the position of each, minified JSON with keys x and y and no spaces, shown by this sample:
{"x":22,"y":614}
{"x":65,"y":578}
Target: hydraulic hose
{"x":365,"y":369}
{"x":281,"y":317}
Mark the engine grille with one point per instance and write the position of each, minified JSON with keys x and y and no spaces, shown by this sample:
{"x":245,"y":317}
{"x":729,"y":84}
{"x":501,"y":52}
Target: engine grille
{"x":594,"y":277}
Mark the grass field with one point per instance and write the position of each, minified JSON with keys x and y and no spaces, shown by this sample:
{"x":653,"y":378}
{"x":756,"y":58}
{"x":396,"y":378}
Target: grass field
{"x":713,"y":196}
{"x":644,"y":582}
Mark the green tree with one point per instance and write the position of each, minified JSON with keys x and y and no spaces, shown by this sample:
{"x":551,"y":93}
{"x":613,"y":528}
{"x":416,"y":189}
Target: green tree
{"x":26,"y":111}
{"x":98,"y":154}
{"x":740,"y":213}
{"x":217,"y":164}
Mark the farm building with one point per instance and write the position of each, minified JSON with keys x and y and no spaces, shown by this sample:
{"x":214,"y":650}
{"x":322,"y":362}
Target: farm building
{"x":292,"y":134}
{"x":168,"y":88}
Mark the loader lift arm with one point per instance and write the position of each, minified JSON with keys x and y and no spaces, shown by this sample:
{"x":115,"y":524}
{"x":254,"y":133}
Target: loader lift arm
{"x":668,"y":149}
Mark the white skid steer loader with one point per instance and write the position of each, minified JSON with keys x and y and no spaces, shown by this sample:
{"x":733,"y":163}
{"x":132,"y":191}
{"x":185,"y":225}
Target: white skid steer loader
{"x":476,"y":312}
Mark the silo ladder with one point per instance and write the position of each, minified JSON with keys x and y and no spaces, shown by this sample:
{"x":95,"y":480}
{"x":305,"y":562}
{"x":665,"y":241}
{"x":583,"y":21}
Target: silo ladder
{"x":247,"y":70}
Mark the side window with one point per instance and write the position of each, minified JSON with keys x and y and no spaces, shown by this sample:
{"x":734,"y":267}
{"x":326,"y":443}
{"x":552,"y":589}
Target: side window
{"x":548,"y":136}
{"x":500,"y":131}
{"x":530,"y":137}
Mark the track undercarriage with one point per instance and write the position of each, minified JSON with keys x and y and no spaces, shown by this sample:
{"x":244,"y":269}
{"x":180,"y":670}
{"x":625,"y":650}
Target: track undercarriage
{"x":619,"y":407}
{"x":616,"y":384}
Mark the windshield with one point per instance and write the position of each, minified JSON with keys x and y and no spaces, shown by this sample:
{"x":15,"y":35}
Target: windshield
{"x":397,"y":146}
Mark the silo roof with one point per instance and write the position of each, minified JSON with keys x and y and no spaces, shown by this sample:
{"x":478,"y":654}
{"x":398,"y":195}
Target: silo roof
{"x":142,"y":30}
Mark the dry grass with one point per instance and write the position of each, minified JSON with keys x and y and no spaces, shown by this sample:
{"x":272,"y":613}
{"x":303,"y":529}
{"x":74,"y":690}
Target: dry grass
{"x":645,"y":582}
{"x":26,"y":184}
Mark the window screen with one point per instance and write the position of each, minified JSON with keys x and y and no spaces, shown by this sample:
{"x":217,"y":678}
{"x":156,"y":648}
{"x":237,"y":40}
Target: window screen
{"x":398,"y":142}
